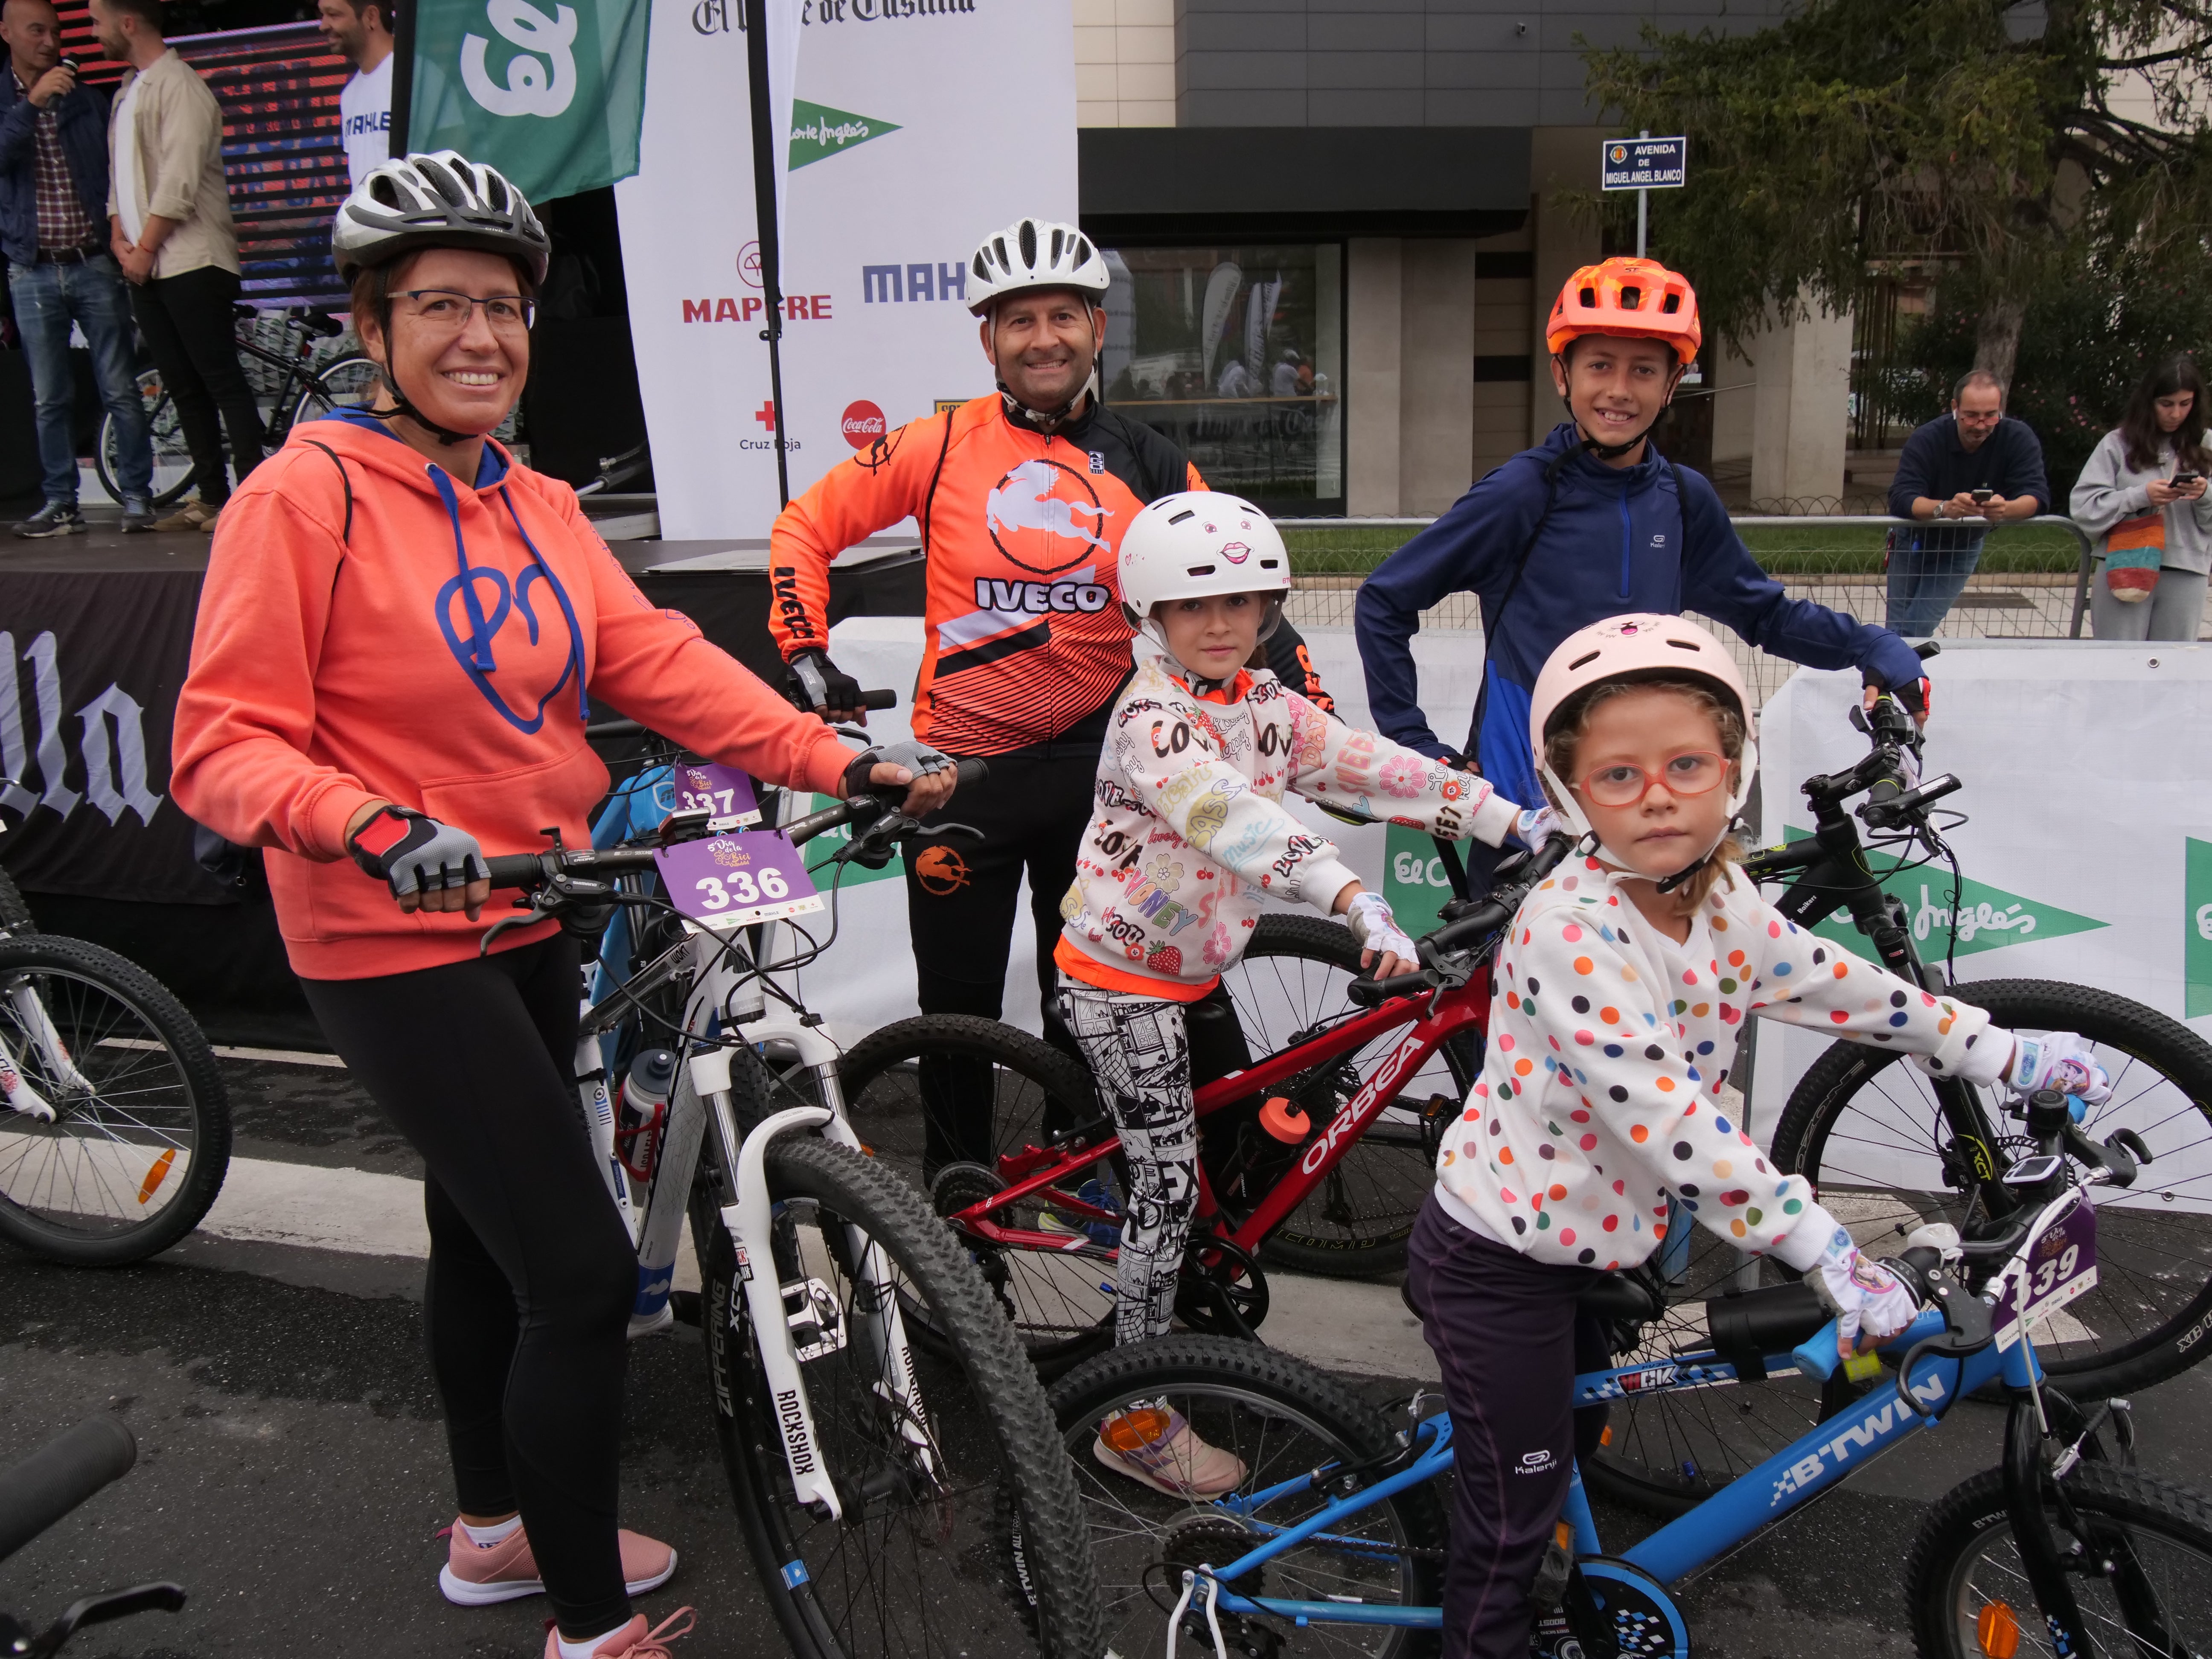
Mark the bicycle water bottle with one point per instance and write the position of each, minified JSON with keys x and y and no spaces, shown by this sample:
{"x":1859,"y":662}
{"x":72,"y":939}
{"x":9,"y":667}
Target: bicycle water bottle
{"x":641,"y":1130}
{"x":642,"y":1112}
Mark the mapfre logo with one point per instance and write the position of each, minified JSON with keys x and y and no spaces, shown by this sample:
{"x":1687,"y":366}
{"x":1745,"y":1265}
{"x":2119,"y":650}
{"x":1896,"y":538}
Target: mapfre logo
{"x":863,"y":424}
{"x":1046,"y":518}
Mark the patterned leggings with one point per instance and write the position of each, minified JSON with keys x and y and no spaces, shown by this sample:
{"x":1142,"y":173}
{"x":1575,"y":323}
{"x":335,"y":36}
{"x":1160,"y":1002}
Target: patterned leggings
{"x":1140,"y":1057}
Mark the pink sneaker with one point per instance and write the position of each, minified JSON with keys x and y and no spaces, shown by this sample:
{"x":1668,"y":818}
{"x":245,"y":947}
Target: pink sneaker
{"x":1159,"y":1448}
{"x":476,"y":1577}
{"x":633,"y":1640}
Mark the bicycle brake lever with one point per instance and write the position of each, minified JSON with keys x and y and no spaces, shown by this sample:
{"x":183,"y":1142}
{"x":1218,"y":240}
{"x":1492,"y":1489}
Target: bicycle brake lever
{"x":536,"y":915}
{"x":921,"y":834}
{"x":1969,"y":1326}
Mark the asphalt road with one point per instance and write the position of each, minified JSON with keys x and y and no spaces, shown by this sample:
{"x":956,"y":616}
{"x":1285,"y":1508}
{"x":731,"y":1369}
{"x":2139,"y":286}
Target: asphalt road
{"x":292,"y":1471}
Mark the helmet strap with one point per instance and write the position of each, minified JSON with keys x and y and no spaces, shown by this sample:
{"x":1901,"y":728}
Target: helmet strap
{"x":401,"y":404}
{"x":1050,"y":420}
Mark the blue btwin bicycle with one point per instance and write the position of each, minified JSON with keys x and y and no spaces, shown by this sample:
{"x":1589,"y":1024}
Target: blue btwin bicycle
{"x":1334,"y":1542}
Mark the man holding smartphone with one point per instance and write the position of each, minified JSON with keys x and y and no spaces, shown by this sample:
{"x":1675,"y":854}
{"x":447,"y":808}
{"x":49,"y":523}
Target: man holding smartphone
{"x":1960,"y":474}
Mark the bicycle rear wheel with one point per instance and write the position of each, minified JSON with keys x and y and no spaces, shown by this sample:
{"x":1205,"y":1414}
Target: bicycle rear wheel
{"x":1284,"y":1420}
{"x":140,"y":1138}
{"x":173,"y":458}
{"x":2145,"y":1588}
{"x":342,"y":382}
{"x":922,"y":1562}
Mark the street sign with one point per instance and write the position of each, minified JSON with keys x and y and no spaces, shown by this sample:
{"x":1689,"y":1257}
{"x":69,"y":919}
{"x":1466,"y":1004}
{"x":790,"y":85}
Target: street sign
{"x":1644,"y":164}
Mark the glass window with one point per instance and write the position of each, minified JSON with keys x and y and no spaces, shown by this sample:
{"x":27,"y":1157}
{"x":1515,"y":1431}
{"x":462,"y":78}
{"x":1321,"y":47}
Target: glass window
{"x":1236,"y":354}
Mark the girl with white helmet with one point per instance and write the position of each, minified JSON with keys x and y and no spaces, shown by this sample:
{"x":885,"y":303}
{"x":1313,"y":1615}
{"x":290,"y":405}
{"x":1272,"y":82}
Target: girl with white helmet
{"x":1621,"y":989}
{"x":1189,"y":834}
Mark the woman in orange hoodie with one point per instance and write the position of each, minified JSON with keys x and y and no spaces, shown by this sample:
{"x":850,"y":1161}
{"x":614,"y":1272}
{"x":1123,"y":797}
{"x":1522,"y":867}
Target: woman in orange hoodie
{"x":395,"y":639}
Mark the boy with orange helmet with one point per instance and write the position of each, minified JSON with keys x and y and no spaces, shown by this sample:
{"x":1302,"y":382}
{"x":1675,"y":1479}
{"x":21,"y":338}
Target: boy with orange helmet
{"x":1592,"y":523}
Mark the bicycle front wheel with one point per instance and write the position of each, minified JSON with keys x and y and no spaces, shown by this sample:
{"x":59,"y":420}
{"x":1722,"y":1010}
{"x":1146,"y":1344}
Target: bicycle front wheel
{"x":1287,"y":1423}
{"x":923,"y":1563}
{"x":120,"y":1133}
{"x":2143,"y":1580}
{"x":1865,"y":1127}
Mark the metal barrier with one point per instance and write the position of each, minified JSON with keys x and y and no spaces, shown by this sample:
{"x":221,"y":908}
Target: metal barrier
{"x":2031,"y":580}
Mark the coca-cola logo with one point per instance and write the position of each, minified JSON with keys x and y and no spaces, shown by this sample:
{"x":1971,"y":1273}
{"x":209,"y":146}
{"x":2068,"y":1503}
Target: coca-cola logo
{"x":863,"y":423}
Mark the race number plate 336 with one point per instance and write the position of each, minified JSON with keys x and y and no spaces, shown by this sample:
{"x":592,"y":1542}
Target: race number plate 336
{"x":733,"y":881}
{"x":723,"y":792}
{"x":2062,"y":1265}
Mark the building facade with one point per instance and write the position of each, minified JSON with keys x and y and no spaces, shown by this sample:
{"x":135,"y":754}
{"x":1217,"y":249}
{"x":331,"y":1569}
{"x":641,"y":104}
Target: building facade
{"x":1336,"y":228}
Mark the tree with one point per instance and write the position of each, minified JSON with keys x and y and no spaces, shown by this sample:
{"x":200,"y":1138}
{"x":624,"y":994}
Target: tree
{"x":1862,"y":131}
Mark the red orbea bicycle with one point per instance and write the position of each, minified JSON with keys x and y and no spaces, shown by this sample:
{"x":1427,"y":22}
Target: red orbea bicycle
{"x":1035,"y":1199}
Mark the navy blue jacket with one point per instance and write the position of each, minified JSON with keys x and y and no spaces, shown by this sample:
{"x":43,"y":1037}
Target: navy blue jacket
{"x":1935,"y":464}
{"x":84,"y":131}
{"x":1652,"y":537}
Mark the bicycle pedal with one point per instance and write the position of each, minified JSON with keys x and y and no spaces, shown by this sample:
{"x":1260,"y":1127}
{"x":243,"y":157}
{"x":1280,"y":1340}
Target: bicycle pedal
{"x":816,"y":1320}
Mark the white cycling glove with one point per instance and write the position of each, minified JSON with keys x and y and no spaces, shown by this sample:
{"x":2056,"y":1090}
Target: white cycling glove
{"x":1864,"y":1295}
{"x":2056,"y":1059}
{"x":1371,"y":923}
{"x":1536,"y":823}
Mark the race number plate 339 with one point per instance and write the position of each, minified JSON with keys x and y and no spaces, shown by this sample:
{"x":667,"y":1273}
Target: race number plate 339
{"x":723,"y":792}
{"x":733,"y":881}
{"x":2062,"y":1265}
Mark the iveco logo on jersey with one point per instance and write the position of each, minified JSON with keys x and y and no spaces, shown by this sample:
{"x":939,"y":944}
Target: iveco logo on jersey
{"x":1039,"y":599}
{"x":1045,"y":517}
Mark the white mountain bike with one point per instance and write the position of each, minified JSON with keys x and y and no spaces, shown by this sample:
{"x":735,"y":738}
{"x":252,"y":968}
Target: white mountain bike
{"x":896,"y":1495}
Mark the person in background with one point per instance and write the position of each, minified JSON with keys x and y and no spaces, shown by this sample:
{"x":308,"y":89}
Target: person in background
{"x":53,"y":198}
{"x":2142,"y":496}
{"x":1941,"y":478}
{"x":361,"y":32}
{"x":170,"y":229}
{"x":1284,"y":383}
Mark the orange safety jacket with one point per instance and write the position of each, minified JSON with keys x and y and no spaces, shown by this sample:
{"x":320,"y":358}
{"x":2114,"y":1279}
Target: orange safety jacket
{"x":1023,"y":636}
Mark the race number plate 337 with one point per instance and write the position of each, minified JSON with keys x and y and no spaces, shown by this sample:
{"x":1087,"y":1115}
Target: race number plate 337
{"x":2062,"y":1265}
{"x":723,"y":792}
{"x":733,"y":881}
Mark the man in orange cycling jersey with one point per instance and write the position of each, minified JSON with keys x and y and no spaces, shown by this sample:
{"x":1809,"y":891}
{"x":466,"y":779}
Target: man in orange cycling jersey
{"x":1022,"y":498}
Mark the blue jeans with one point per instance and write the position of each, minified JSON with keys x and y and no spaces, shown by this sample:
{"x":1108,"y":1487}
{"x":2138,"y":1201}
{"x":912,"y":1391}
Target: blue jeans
{"x":47,"y":299}
{"x":1927,"y":570}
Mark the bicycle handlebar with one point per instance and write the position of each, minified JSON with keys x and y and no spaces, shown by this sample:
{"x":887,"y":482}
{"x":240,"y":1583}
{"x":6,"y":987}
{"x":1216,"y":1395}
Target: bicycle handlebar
{"x":1471,"y":929}
{"x":60,"y":1475}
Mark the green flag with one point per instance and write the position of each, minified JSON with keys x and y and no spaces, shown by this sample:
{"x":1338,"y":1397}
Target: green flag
{"x":551,"y":95}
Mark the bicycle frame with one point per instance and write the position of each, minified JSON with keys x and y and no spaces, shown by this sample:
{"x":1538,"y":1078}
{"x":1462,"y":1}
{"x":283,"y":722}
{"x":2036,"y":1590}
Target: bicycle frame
{"x":1433,"y":1019}
{"x":1827,"y":1453}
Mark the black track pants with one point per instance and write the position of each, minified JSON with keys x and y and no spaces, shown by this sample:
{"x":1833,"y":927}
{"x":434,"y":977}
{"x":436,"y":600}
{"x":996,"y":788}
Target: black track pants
{"x":962,"y":895}
{"x":532,"y":1275}
{"x":1504,"y":1329}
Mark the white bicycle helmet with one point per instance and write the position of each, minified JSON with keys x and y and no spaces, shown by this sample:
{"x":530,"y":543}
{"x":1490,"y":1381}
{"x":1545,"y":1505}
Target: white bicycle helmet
{"x":441,"y":200}
{"x":1034,"y":253}
{"x":1638,"y":647}
{"x":1193,"y":545}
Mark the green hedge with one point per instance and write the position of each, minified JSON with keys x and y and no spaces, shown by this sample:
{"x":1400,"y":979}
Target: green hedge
{"x":1355,"y":549}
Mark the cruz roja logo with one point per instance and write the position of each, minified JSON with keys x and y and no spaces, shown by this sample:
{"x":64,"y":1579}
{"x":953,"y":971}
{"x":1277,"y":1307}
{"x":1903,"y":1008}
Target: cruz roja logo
{"x":111,"y":741}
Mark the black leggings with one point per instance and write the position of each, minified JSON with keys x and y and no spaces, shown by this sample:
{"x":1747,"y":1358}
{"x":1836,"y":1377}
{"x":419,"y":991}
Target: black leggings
{"x":188,"y":324}
{"x":532,"y":1274}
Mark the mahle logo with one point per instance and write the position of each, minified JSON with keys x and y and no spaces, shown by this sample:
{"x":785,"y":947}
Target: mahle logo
{"x":818,"y":130}
{"x":1989,"y":918}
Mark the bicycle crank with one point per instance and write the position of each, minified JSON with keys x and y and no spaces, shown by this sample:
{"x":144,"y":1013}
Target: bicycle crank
{"x":1222,"y":1291}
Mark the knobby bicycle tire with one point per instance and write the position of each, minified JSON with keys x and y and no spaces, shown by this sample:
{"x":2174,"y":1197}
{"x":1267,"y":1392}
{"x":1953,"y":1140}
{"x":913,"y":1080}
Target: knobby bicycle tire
{"x":831,"y":1583}
{"x":121,"y":1147}
{"x":1963,"y":1560}
{"x":1282,"y":1417}
{"x":15,"y":915}
{"x":2155,"y":1258}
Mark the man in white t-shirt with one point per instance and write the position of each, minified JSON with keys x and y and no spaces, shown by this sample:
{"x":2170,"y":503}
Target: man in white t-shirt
{"x":362,"y":30}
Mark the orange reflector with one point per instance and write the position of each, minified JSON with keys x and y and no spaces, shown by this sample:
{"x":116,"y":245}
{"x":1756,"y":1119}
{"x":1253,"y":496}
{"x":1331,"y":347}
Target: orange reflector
{"x":1605,"y":1436}
{"x":157,"y":1175}
{"x":1997,"y":1631}
{"x":1284,"y":1120}
{"x":1563,"y":1534}
{"x":1135,"y":1429}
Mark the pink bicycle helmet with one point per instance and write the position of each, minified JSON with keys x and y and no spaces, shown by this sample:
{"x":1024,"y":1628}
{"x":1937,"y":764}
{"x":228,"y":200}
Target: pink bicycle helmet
{"x":1635,"y":646}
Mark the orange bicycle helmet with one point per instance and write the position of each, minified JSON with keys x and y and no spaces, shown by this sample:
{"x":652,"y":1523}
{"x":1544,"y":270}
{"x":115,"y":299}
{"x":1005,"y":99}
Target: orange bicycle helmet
{"x":1636,"y":299}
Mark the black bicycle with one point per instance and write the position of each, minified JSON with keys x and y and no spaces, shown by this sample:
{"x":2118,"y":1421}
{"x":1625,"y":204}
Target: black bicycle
{"x":42,"y":1489}
{"x":290,"y":385}
{"x":1891,"y":1150}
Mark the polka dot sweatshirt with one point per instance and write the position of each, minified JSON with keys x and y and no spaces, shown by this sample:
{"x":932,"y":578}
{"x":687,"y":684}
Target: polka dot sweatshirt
{"x":1600,"y":1094}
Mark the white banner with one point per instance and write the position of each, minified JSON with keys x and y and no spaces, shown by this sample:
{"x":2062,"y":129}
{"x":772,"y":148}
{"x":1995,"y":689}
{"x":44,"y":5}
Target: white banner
{"x":917,"y":127}
{"x":2088,"y":852}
